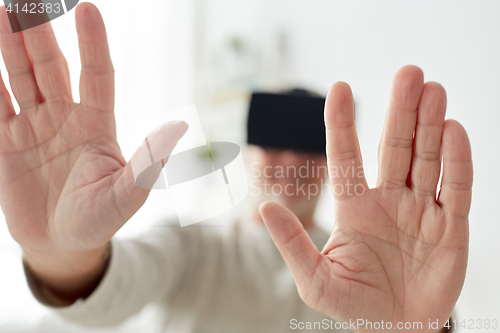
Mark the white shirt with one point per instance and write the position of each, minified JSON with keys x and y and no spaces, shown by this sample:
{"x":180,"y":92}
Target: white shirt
{"x":208,"y":279}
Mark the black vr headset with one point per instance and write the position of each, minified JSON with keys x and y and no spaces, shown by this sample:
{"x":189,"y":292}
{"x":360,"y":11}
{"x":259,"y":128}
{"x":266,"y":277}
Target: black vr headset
{"x":292,"y":120}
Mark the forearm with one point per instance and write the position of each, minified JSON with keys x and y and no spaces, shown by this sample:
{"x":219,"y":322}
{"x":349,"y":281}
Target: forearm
{"x":63,"y":277}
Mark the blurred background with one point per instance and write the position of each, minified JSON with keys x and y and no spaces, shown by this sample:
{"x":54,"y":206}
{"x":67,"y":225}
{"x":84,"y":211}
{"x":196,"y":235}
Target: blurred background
{"x":171,"y":53}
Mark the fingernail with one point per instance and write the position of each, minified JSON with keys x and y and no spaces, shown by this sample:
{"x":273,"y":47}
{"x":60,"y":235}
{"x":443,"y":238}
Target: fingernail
{"x":163,"y":140}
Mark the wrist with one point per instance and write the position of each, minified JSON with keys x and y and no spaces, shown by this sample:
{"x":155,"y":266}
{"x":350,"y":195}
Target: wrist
{"x":63,"y":264}
{"x":60,"y":277}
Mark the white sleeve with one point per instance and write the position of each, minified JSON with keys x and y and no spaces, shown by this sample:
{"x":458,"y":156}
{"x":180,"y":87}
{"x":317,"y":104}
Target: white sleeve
{"x":140,"y":271}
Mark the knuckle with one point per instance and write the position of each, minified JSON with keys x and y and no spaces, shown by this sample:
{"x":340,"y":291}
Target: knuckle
{"x":398,"y":142}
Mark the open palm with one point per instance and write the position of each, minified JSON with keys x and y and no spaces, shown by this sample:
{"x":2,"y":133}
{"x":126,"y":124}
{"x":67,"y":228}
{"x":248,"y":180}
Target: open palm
{"x":63,"y":181}
{"x":398,"y":252}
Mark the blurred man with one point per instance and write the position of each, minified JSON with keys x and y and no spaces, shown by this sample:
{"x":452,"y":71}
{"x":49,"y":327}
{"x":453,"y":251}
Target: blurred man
{"x":286,"y":153}
{"x":397,"y":255}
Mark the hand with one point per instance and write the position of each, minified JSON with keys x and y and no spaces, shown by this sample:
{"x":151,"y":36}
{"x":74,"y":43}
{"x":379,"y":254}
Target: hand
{"x":396,"y":253}
{"x":65,"y":188}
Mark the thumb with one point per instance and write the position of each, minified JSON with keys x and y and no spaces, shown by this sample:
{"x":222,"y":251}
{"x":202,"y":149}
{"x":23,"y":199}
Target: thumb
{"x":149,"y":159}
{"x":293,"y":242}
{"x":143,"y":169}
